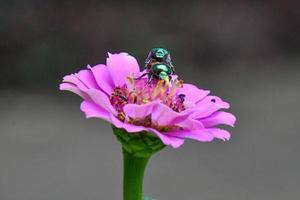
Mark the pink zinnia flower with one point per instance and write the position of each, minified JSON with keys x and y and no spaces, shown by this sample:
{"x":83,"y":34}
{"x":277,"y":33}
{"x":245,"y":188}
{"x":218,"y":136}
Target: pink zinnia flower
{"x":172,"y":111}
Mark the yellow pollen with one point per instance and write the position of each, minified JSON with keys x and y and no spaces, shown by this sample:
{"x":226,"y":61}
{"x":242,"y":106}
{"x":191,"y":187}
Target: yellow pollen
{"x":130,"y":82}
{"x":160,"y":89}
{"x":121,"y":116}
{"x":145,"y":101}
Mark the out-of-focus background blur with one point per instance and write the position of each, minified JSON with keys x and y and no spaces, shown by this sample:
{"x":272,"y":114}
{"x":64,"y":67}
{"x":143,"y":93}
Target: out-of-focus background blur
{"x":245,"y":51}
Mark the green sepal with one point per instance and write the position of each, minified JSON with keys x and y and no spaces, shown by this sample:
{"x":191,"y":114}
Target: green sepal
{"x":140,"y":144}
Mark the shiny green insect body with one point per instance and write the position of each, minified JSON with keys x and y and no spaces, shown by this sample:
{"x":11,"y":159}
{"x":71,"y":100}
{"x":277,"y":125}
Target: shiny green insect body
{"x":159,"y":55}
{"x":160,"y":71}
{"x":158,"y":65}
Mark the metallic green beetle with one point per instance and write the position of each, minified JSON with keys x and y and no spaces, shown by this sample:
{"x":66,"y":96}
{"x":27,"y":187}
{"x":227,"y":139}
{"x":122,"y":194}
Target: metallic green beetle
{"x":160,"y":71}
{"x":160,"y":55}
{"x":158,"y":65}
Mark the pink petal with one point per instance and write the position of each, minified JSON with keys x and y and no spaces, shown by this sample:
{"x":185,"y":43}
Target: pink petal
{"x":208,"y":106}
{"x":103,"y":78}
{"x":93,"y":110}
{"x":192,"y":93}
{"x":190,"y":124}
{"x":131,"y":128}
{"x":167,"y":139}
{"x":219,"y":118}
{"x":87,"y":78}
{"x":101,"y":99}
{"x":83,"y":80}
{"x":136,"y":111}
{"x":202,"y":135}
{"x":163,"y":115}
{"x":121,"y":66}
{"x":220,"y":133}
{"x":73,"y":79}
{"x":72,"y":88}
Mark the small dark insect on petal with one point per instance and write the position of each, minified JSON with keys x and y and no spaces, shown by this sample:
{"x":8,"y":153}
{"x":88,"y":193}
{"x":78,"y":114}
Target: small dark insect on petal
{"x":213,"y":100}
{"x":123,"y":98}
{"x":181,"y":97}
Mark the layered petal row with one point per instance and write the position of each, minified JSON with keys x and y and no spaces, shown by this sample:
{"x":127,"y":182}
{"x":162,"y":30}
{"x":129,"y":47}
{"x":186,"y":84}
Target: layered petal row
{"x":114,"y":92}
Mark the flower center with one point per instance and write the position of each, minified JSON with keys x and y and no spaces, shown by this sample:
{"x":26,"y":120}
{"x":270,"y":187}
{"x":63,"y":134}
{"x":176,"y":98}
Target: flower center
{"x":140,"y":91}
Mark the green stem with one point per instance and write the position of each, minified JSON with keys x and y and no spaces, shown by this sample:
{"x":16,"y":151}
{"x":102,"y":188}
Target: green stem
{"x":134,"y":168}
{"x":137,"y":149}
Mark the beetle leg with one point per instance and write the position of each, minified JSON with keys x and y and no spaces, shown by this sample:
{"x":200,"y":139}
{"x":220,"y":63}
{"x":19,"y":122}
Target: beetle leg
{"x":141,"y":76}
{"x":150,"y":79}
{"x":172,"y":67}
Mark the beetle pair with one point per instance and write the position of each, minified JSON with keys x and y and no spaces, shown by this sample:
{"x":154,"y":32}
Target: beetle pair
{"x":158,"y":65}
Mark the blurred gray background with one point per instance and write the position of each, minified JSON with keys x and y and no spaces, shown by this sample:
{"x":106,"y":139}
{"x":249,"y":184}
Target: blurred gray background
{"x":245,"y":51}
